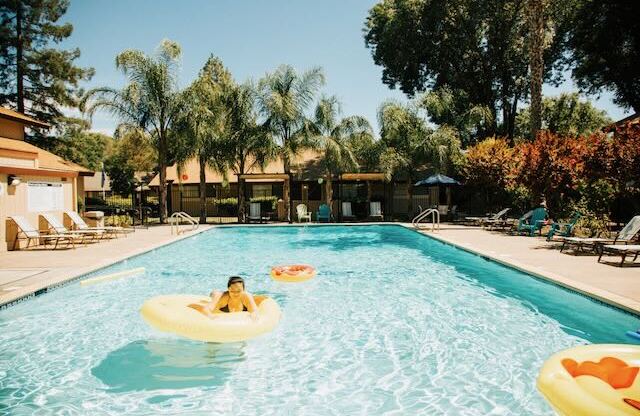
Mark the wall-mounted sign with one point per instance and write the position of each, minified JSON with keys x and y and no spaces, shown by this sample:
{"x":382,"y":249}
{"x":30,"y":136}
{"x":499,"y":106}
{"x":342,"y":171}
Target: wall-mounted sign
{"x":45,"y":196}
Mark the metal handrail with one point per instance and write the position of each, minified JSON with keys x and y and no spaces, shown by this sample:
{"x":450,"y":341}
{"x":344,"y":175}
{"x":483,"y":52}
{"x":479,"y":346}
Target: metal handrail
{"x":175,"y":219}
{"x":435,"y":219}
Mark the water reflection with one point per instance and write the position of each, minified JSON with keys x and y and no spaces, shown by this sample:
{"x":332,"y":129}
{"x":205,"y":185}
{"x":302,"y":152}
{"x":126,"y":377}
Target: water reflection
{"x":168,"y":364}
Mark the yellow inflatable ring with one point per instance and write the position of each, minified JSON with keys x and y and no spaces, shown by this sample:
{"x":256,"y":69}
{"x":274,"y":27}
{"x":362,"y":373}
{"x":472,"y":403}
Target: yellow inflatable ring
{"x":293,"y":273}
{"x":593,"y":380}
{"x":171,"y":313}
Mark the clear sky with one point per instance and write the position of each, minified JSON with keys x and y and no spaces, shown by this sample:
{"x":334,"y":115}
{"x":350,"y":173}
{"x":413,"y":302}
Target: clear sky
{"x":251,"y":37}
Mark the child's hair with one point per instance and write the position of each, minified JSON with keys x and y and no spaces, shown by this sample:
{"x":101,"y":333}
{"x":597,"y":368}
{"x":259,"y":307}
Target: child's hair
{"x":235,"y":279}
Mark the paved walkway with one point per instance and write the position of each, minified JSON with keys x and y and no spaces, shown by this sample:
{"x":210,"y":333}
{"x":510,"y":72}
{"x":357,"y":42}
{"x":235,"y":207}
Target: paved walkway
{"x":619,"y":286}
{"x":27,"y":271}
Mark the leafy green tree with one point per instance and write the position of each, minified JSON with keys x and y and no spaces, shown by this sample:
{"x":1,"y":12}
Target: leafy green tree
{"x":36,"y":78}
{"x":451,"y":108}
{"x":150,"y":101}
{"x":331,"y":139}
{"x":566,"y":115}
{"x":132,"y":152}
{"x":473,"y":46}
{"x":284,"y":97}
{"x":201,"y":122}
{"x":535,"y":16}
{"x":604,"y":37}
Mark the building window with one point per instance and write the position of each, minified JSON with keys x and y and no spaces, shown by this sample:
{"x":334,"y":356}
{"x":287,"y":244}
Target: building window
{"x":261,"y":190}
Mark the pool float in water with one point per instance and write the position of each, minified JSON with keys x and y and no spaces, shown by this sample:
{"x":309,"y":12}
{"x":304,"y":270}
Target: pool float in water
{"x":171,"y":313}
{"x":593,"y":380}
{"x":293,"y":273}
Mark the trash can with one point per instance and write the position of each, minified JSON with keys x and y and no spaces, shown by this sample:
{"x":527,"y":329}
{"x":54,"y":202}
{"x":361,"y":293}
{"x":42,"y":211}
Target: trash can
{"x":94,"y":218}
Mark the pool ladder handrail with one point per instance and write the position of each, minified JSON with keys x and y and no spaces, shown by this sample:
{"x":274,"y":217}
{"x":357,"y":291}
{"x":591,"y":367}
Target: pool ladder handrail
{"x":175,"y":219}
{"x":435,"y":219}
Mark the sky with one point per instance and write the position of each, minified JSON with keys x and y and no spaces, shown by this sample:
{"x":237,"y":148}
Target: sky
{"x":252,"y":37}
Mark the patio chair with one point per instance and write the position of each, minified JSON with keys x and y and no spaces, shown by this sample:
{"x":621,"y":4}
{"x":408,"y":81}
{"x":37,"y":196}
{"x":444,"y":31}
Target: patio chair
{"x":564,"y":229}
{"x":621,"y":250}
{"x":625,"y":236}
{"x":324,"y":213}
{"x":255,"y":213}
{"x":28,"y":232}
{"x":347,"y":214}
{"x":488,"y":219}
{"x":303,"y":213}
{"x":375,"y":210}
{"x":529,"y":225}
{"x":80,"y":225}
{"x":56,"y":227}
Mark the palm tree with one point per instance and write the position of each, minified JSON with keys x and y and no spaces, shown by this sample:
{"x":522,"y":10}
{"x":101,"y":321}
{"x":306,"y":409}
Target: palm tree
{"x":150,"y":101}
{"x":201,"y":125}
{"x":246,"y":144}
{"x":535,"y":15}
{"x":332,"y":139}
{"x":411,"y":146}
{"x":284,"y":97}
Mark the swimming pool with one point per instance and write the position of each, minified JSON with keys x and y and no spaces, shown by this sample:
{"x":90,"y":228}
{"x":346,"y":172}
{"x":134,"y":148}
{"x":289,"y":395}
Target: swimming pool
{"x":394,"y":323}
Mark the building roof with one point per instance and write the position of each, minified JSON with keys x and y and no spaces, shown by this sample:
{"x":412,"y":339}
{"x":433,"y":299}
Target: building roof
{"x":46,"y":161}
{"x":304,"y":167}
{"x":9,"y":114}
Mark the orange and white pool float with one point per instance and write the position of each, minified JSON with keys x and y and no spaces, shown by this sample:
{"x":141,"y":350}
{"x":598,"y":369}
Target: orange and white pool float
{"x":293,"y":273}
{"x":593,"y":380}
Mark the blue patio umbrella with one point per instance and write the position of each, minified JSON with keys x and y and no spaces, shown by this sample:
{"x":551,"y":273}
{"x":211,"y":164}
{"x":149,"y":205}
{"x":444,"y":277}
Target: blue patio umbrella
{"x":437,"y":179}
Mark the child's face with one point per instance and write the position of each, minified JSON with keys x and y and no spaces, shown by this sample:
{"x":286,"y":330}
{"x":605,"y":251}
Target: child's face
{"x":236,"y":289}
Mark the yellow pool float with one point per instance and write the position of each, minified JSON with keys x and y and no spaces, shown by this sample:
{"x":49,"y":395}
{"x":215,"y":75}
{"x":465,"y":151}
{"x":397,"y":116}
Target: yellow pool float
{"x":293,"y":273}
{"x":593,"y":380}
{"x":171,"y":313}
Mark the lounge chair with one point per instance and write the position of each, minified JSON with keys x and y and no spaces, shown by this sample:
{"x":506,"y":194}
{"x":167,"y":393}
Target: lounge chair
{"x":255,"y":213}
{"x":621,"y":250}
{"x":529,"y":225}
{"x":487,"y":220}
{"x":28,"y":232}
{"x":324,"y":213}
{"x":80,"y":224}
{"x":303,"y":213}
{"x":625,"y":236}
{"x":375,"y":210}
{"x":56,"y":227}
{"x":564,"y":229}
{"x":347,"y":214}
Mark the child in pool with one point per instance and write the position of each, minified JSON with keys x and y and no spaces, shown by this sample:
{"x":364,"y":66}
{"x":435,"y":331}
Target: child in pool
{"x":234,"y":299}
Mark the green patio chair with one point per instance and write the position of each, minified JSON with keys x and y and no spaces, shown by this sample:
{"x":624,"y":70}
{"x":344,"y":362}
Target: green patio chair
{"x":564,"y":229}
{"x":324,"y":213}
{"x":533,"y":223}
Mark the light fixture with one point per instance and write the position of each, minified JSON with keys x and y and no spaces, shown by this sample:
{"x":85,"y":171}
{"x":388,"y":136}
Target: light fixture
{"x":13,"y":180}
{"x":320,"y":180}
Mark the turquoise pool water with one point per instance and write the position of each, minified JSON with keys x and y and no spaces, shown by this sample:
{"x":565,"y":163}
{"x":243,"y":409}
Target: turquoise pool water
{"x":395,"y":323}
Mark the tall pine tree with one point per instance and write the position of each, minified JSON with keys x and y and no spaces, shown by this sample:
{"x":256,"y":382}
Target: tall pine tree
{"x":36,"y":78}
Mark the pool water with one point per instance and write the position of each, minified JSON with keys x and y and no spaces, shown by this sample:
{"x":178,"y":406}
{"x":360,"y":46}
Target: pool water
{"x":394,"y":323}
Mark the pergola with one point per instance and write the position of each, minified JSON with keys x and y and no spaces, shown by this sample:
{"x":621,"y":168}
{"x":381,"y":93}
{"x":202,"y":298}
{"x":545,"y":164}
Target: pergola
{"x":360,"y":177}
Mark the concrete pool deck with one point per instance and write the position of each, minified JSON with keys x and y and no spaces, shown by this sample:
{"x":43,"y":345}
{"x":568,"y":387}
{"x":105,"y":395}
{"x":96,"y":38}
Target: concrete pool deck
{"x":23,"y":273}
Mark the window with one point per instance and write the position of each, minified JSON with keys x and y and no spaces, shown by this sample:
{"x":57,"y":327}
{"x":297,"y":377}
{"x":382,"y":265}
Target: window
{"x":261,"y":190}
{"x":315,"y":191}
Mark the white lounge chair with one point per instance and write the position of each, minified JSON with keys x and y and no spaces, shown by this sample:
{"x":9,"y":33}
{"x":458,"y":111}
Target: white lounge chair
{"x":347,"y":214}
{"x":255,"y":213}
{"x":80,"y":224}
{"x":625,"y":236}
{"x":303,"y":213}
{"x":375,"y":210}
{"x":622,"y":250}
{"x":487,"y":219}
{"x":28,"y":232}
{"x":55,"y":227}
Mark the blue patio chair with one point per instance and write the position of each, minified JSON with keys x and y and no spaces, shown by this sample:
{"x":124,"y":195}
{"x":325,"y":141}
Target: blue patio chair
{"x":324,"y":213}
{"x":534,"y":223}
{"x":564,"y":229}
